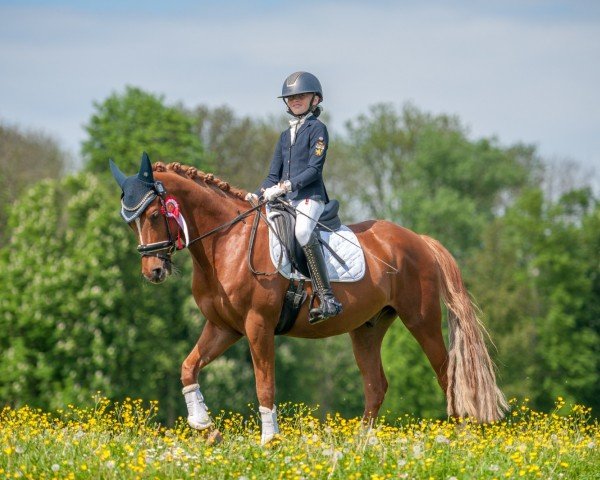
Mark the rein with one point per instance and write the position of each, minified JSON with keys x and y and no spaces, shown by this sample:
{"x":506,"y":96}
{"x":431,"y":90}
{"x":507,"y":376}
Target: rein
{"x":237,"y":219}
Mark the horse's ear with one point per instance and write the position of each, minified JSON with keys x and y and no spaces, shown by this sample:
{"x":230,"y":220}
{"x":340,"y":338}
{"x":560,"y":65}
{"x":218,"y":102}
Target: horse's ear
{"x":145,"y":174}
{"x":120,"y":177}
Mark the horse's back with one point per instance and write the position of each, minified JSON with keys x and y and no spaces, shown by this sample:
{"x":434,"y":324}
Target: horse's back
{"x":383,"y":233}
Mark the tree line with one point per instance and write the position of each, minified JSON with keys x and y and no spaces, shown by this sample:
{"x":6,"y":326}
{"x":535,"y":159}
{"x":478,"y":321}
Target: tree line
{"x":76,"y":317}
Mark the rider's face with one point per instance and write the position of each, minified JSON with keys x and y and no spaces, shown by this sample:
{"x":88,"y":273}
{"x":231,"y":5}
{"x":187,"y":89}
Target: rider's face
{"x":298,"y":104}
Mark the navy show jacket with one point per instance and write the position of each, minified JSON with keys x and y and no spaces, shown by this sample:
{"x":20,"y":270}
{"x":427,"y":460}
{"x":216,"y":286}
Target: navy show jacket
{"x":302,"y":162}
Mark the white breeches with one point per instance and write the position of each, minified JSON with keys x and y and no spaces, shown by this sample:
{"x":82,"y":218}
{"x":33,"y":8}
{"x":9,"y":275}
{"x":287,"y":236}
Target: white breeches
{"x":308,"y":214}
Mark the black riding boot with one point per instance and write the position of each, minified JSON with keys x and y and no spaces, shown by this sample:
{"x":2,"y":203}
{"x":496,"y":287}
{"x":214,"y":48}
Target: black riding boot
{"x":329,"y":306}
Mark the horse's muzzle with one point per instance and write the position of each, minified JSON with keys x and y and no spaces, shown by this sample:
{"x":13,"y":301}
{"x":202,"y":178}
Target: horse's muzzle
{"x":156,"y":270}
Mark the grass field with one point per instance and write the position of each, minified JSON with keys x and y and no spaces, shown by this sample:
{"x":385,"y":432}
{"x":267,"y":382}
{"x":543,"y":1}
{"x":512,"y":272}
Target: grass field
{"x":121,"y":441}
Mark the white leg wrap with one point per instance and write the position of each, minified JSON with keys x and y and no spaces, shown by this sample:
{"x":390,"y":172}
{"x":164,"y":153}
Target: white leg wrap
{"x":198,"y":417}
{"x":269,"y":424}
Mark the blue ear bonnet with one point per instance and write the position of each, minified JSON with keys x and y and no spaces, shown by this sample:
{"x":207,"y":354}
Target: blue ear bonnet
{"x":138,"y":190}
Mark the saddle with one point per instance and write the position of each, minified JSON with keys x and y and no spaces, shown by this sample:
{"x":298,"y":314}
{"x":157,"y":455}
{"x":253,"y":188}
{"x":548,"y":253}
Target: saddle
{"x":284,"y":219}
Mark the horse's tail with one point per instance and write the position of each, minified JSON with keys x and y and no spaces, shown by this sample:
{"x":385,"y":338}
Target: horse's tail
{"x":472,"y":388}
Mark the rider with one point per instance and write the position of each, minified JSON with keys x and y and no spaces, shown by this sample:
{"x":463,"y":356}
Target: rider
{"x":296,"y":171}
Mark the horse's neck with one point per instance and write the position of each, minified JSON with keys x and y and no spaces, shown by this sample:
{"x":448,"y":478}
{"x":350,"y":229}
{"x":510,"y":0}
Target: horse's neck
{"x":206,"y":210}
{"x":211,"y":209}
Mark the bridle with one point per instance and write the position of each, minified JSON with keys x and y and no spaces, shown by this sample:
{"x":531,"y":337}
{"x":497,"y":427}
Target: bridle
{"x":166,"y":248}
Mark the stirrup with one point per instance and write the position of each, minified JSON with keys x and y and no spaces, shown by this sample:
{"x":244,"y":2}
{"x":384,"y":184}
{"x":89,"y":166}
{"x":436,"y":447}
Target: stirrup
{"x":329,"y":307}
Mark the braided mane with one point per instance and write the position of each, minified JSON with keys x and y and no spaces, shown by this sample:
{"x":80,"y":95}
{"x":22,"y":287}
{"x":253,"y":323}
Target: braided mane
{"x":197,"y":175}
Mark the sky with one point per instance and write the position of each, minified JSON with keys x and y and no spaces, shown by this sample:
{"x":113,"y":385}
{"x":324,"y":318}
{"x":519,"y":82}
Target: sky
{"x":521,"y":71}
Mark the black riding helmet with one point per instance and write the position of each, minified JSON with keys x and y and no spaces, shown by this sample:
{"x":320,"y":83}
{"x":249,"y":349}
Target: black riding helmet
{"x":302,"y":82}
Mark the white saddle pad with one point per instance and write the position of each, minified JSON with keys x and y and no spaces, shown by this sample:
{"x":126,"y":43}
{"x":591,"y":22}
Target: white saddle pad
{"x":343,"y":242}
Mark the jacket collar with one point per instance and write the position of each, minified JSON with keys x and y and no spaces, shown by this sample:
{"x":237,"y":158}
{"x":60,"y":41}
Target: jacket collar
{"x":309,"y":120}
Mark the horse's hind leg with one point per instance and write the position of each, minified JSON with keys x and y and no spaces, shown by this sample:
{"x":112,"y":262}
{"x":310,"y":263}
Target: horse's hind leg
{"x":425,"y":323}
{"x":212,"y":342}
{"x":366,"y":344}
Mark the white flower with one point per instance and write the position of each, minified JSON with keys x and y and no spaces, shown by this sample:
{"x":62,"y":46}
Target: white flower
{"x":417,"y":450}
{"x":110,"y":464}
{"x":401,"y":462}
{"x":55,"y":467}
{"x":494,"y":468}
{"x":441,"y":439}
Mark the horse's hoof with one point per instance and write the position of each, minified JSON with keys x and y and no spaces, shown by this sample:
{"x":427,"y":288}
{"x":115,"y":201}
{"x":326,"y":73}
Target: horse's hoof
{"x":214,"y":438}
{"x":199,"y":423}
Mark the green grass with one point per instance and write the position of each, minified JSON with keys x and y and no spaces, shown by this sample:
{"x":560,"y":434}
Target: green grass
{"x":121,"y":441}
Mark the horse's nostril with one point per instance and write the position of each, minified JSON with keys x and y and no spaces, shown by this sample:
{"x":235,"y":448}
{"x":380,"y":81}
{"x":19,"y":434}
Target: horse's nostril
{"x":157,"y":272}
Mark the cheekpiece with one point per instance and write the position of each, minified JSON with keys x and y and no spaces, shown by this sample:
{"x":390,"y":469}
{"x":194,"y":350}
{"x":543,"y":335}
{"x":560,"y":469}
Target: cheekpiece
{"x":138,"y":191}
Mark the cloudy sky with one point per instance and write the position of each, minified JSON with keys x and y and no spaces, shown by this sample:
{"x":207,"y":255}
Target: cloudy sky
{"x":521,"y":70}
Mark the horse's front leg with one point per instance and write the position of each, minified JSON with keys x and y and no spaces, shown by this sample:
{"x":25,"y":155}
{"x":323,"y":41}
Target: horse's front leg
{"x":212,"y":342}
{"x":261,"y":338}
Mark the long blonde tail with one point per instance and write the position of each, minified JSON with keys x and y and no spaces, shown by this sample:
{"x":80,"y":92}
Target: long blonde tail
{"x":472,"y":389}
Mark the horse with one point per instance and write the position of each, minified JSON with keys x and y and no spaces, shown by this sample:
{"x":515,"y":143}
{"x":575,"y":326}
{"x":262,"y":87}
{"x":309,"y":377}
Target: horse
{"x":239,"y":303}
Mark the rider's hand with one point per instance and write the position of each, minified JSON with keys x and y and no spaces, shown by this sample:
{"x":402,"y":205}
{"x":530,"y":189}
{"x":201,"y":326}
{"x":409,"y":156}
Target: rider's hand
{"x":252,"y":198}
{"x":273,"y":192}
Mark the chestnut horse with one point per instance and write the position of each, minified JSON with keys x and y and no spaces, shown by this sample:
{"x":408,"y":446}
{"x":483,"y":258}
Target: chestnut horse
{"x":238,"y":303}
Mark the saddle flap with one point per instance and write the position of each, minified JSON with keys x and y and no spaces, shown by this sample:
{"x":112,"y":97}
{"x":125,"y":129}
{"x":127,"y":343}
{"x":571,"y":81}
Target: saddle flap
{"x":347,"y":265}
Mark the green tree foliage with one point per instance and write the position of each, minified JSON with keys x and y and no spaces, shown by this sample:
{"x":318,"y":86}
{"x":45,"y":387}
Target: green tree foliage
{"x":25,"y":158}
{"x":126,"y":124}
{"x":76,"y":316}
{"x":538,"y":285}
{"x":240,"y":149}
{"x":423,"y":172}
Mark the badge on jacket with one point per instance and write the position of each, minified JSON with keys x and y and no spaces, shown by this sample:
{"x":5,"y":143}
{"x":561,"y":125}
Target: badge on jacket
{"x":319,"y":147}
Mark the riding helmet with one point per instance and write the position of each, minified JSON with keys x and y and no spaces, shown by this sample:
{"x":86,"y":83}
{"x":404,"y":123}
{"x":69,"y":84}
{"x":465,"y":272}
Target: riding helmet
{"x":301,"y":82}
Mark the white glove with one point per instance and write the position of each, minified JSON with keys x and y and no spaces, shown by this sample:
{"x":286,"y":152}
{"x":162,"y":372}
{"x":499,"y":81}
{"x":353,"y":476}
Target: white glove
{"x":273,"y":192}
{"x":252,"y":198}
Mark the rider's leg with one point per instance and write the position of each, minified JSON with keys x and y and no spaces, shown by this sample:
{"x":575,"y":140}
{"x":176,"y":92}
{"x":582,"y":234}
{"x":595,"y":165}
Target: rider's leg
{"x":308,"y":212}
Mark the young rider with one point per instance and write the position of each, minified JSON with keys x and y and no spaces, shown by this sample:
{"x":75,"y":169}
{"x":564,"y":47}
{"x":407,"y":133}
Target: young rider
{"x":296,"y":171}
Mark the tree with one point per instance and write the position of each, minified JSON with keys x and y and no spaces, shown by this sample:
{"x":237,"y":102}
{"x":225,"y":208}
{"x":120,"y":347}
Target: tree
{"x":538,"y":286}
{"x":240,"y":149}
{"x":25,"y":158}
{"x":75,"y":315}
{"x":126,"y":124}
{"x":424,"y":172}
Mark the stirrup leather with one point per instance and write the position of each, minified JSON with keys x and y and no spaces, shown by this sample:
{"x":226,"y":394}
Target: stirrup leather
{"x":329,"y":306}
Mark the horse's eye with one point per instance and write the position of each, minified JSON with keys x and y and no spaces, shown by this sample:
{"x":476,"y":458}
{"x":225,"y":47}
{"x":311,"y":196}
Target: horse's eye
{"x":154,"y":216}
